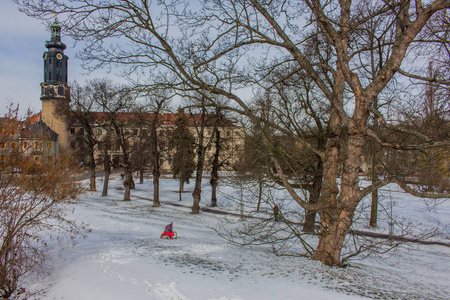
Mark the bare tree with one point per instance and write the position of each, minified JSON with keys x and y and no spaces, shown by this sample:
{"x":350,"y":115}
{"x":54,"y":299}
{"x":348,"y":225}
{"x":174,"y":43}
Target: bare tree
{"x":82,"y":106}
{"x":32,"y":208}
{"x":210,"y":57}
{"x":116,"y":103}
{"x":204,"y":138}
{"x":157,"y":139}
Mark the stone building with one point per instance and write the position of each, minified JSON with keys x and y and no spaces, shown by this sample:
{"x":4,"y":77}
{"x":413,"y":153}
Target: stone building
{"x":31,"y":138}
{"x":138,"y":135}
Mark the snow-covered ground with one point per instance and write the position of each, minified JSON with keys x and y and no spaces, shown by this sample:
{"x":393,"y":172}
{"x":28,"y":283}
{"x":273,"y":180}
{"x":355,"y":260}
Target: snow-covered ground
{"x":124,"y":258}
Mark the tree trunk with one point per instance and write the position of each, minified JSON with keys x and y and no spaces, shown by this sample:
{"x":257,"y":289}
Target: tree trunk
{"x":214,"y":181}
{"x":127,"y":183}
{"x":197,"y":193}
{"x":156,"y":162}
{"x":156,"y":175}
{"x":141,"y":175}
{"x":106,"y":183}
{"x":107,"y":169}
{"x":181,"y":188}
{"x":337,"y":217}
{"x":374,"y":209}
{"x":314,"y":195}
{"x":260,"y":184}
{"x":215,"y":168}
{"x":332,"y":236}
{"x":374,"y":175}
{"x":92,"y":185}
{"x":330,"y":244}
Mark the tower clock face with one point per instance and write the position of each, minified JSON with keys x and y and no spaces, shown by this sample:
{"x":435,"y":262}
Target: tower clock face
{"x":59,"y":56}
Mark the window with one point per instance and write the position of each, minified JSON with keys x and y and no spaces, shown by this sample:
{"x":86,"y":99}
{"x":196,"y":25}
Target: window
{"x":13,"y":145}
{"x":36,"y":146}
{"x":36,"y":158}
{"x":2,"y":145}
{"x":49,"y":146}
{"x":135,"y":131}
{"x":72,"y":130}
{"x":24,"y":145}
{"x":99,"y":131}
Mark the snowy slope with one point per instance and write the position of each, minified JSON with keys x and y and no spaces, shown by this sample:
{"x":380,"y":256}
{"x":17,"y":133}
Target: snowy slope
{"x":124,"y":258}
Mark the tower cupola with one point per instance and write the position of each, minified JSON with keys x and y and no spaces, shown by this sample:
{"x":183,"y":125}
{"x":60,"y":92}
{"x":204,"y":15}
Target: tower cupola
{"x":55,"y":61}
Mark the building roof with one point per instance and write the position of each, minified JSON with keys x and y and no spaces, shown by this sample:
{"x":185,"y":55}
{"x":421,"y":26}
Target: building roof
{"x":33,"y":127}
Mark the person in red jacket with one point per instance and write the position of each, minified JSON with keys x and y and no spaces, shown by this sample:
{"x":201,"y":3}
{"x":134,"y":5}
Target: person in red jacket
{"x":169,"y":230}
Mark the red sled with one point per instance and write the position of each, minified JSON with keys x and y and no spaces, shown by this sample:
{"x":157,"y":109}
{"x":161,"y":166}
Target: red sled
{"x":168,"y":235}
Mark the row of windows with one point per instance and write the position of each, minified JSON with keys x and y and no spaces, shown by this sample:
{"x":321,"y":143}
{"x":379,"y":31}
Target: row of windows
{"x":58,"y":76}
{"x":100,"y":131}
{"x":25,"y":145}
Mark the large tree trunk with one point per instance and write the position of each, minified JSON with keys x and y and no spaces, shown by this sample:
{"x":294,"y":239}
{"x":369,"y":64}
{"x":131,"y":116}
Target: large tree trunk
{"x":337,"y":217}
{"x":332,"y":236}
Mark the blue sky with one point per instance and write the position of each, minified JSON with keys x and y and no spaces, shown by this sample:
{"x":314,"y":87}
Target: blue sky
{"x":21,"y":63}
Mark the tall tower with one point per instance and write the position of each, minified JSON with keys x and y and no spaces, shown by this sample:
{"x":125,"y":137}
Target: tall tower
{"x":55,"y":93}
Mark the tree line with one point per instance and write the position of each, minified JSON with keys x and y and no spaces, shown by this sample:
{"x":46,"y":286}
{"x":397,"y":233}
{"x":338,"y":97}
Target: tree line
{"x":139,"y":129}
